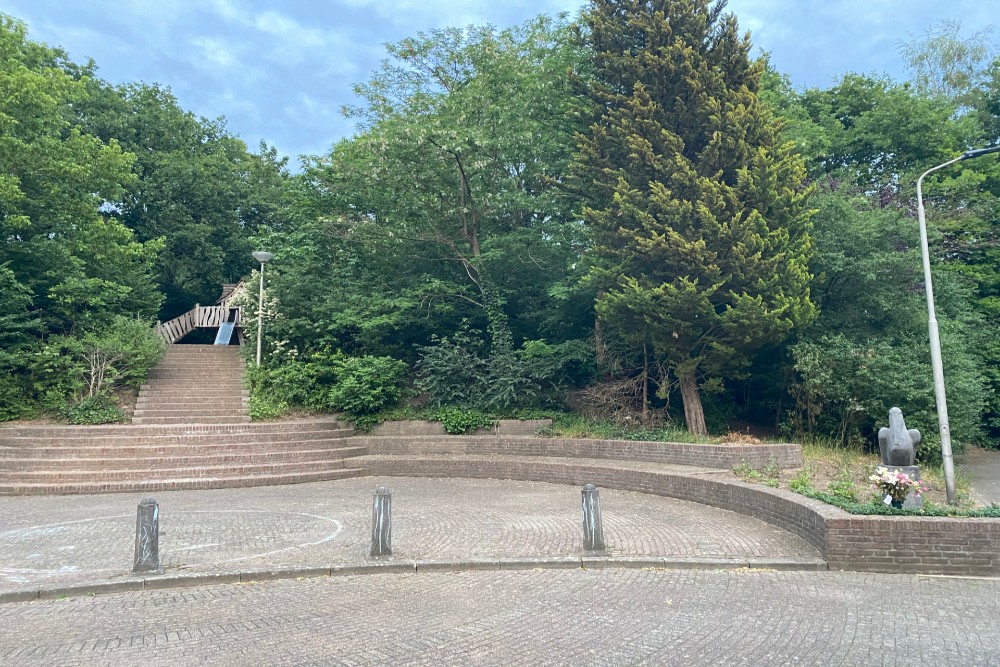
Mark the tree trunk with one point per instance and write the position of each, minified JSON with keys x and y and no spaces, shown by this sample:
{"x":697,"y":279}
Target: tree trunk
{"x":694,"y":413}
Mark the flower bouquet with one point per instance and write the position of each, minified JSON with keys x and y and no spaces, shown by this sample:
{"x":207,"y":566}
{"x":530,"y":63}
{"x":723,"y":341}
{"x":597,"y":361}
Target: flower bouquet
{"x":893,"y":486}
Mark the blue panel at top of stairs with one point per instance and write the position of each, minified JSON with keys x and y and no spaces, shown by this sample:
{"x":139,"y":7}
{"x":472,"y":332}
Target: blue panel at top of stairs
{"x":225,"y":333}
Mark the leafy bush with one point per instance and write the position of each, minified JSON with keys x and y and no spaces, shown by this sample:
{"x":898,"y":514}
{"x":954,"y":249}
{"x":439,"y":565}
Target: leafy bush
{"x":457,"y":421}
{"x":97,"y":409}
{"x":366,"y":384}
{"x":328,"y":382}
{"x":802,"y":481}
{"x":454,"y":372}
{"x":842,"y":486}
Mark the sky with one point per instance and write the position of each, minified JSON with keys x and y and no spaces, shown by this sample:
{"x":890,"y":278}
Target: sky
{"x":280,"y":71}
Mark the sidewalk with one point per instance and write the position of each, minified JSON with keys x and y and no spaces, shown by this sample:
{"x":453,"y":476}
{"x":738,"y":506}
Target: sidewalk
{"x":53,"y":542}
{"x":984,"y":467}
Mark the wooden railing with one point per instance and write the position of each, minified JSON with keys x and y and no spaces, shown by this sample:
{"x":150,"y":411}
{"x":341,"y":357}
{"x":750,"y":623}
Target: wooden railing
{"x":199,"y":316}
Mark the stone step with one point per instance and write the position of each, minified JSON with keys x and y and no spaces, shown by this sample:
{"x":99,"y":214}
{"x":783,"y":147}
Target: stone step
{"x":177,"y":484}
{"x":127,"y":430}
{"x":227,"y":375}
{"x":167,"y":421}
{"x":178,"y":403}
{"x":183,"y":472}
{"x":136,"y":458}
{"x":148,"y":391}
{"x":222,"y":439}
{"x":200,"y":410}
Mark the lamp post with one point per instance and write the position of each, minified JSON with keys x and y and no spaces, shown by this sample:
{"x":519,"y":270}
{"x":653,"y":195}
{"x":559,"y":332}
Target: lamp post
{"x":261,"y":257}
{"x":932,"y":327}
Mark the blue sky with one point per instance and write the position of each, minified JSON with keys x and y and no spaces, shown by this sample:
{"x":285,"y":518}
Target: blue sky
{"x":281,"y":71}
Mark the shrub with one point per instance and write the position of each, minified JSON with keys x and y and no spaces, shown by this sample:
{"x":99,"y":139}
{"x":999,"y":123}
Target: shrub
{"x":454,"y":372}
{"x":328,"y":382}
{"x":97,"y":409}
{"x":457,"y":421}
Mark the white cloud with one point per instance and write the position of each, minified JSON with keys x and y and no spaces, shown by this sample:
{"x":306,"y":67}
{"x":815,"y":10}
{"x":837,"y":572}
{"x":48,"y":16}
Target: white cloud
{"x":215,"y":51}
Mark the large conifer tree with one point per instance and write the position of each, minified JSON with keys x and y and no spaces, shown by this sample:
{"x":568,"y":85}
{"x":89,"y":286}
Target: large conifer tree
{"x":696,"y":206}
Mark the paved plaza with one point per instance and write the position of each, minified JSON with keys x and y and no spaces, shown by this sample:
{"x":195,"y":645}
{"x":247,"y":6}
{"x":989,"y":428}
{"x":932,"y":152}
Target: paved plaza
{"x":531,"y":618}
{"x":701,"y":610}
{"x":70,"y":540}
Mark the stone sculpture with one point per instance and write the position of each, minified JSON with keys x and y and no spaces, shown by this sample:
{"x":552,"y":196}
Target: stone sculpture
{"x":897,"y":444}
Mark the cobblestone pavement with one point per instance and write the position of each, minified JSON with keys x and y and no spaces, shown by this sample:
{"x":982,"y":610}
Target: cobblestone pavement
{"x":528,"y":617}
{"x":62,"y":540}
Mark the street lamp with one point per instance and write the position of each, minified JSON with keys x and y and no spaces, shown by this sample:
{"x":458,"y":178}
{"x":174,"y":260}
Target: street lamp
{"x":932,"y":327}
{"x":261,"y":257}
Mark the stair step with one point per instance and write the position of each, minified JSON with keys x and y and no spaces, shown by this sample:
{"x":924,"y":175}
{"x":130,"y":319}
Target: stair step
{"x":153,"y":484}
{"x":220,"y":439}
{"x":174,"y":460}
{"x":125,"y":430}
{"x":183,"y":472}
{"x":202,"y":411}
{"x":168,"y":421}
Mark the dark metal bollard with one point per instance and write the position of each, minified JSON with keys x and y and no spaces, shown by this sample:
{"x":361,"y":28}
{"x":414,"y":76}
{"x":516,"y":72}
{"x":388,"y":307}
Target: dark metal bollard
{"x":593,"y":525}
{"x":147,"y":537}
{"x":382,"y":523}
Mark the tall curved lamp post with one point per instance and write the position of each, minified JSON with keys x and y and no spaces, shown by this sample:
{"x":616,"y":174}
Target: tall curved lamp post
{"x":939,"y":396}
{"x":263,"y":258}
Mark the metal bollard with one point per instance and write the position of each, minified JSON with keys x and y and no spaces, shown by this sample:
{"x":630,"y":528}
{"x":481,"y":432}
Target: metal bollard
{"x":147,"y":537}
{"x":381,"y":523}
{"x":593,"y":525}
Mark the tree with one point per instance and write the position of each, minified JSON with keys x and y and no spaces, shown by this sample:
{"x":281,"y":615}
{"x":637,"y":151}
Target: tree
{"x":76,"y":264}
{"x":465,"y":133}
{"x":197,"y":188}
{"x":698,"y":212}
{"x":867,"y":351}
{"x":944,"y":64}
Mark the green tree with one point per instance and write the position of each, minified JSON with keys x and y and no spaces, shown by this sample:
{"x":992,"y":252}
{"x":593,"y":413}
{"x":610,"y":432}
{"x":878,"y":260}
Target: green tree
{"x":464,"y":136}
{"x":197,"y":188}
{"x":698,"y":211}
{"x":77,"y":263}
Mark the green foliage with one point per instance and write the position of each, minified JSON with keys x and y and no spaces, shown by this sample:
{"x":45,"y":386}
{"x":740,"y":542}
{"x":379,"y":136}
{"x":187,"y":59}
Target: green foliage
{"x":842,"y":486}
{"x":567,"y":425}
{"x":327,"y":382}
{"x":95,"y":409}
{"x":802,"y":481}
{"x":769,"y":475}
{"x":457,"y":421}
{"x":365,"y":385}
{"x":879,"y":508}
{"x":696,"y":205}
{"x":199,"y":191}
{"x":455,"y":372}
{"x":445,"y":206}
{"x":868,"y":350}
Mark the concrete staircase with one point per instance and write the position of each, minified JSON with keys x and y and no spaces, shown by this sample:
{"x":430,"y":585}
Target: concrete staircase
{"x":126,"y":458}
{"x":194,"y":384}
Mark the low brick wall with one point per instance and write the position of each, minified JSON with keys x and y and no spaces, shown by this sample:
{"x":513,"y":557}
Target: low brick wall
{"x":723,"y":456}
{"x":781,"y":508}
{"x":926,"y":545}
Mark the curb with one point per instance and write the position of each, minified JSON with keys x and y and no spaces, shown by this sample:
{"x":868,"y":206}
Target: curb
{"x":137,"y":584}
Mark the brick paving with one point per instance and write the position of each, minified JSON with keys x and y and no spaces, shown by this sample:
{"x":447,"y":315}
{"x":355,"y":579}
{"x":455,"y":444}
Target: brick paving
{"x":532,"y":618}
{"x":55,"y":541}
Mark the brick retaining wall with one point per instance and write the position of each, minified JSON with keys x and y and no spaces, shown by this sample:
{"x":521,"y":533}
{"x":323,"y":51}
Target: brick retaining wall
{"x":924,"y":545}
{"x":723,"y":456}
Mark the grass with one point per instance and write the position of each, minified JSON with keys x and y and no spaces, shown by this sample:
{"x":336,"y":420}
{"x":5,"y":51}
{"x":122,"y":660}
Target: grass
{"x":574,"y":426}
{"x":838,"y":475}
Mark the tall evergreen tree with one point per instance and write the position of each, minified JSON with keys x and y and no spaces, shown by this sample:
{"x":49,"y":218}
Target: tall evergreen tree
{"x":696,"y":205}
